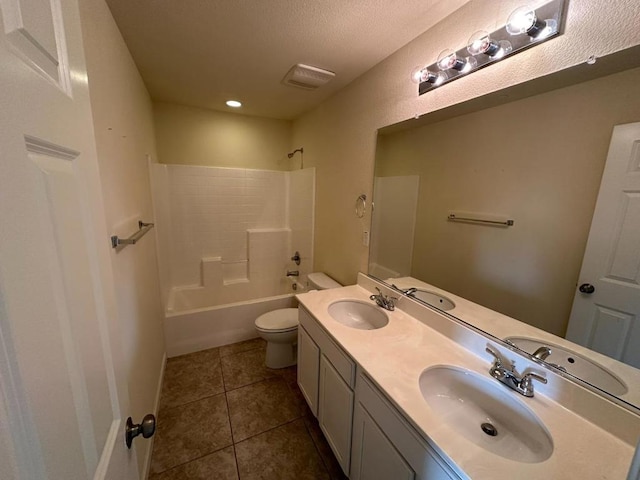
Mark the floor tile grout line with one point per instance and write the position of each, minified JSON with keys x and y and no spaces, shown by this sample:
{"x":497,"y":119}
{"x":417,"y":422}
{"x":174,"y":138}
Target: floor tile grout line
{"x":270,"y":429}
{"x":235,"y":454}
{"x":194,"y":459}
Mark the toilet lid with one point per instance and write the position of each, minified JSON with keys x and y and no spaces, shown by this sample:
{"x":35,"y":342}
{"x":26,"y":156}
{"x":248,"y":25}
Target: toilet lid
{"x":282,"y":319}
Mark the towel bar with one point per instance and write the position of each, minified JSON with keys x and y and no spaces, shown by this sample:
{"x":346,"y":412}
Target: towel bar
{"x":143,"y":229}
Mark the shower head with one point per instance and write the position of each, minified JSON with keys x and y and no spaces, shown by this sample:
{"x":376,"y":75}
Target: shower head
{"x":290,"y":155}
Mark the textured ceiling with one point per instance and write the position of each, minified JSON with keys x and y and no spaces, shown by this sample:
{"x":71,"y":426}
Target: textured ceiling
{"x":204,"y":52}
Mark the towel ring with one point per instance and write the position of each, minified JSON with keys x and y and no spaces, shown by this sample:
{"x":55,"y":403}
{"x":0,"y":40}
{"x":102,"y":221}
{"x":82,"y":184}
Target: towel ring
{"x":361,"y":205}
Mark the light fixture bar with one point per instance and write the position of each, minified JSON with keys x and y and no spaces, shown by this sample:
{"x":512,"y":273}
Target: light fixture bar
{"x":546,"y":25}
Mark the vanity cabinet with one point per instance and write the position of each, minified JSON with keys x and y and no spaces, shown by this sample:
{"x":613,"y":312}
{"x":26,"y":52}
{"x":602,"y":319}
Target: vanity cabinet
{"x":369,"y":437}
{"x":308,"y":368}
{"x":385,"y":445}
{"x":326,"y":377}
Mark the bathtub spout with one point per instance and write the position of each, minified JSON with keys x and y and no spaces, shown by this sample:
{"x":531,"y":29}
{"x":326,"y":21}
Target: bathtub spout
{"x":293,"y":273}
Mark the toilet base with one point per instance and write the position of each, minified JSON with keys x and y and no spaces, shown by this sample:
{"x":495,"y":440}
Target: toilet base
{"x":281,"y":355}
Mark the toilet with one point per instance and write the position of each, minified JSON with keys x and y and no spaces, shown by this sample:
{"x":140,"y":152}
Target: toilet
{"x":280,"y":327}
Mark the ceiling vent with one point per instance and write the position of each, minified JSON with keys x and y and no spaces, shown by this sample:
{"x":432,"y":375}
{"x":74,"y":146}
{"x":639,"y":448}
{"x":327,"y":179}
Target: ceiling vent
{"x":305,"y":76}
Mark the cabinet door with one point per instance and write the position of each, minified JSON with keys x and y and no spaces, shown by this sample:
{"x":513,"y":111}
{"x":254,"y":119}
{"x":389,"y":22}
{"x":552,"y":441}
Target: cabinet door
{"x":335,"y":412}
{"x":373,"y":456}
{"x":308,"y":369}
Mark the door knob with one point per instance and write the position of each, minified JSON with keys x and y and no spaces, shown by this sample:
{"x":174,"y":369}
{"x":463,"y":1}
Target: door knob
{"x":587,"y":288}
{"x":147,"y":428}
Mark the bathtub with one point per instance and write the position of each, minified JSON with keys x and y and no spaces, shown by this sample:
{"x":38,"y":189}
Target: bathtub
{"x":190,"y":327}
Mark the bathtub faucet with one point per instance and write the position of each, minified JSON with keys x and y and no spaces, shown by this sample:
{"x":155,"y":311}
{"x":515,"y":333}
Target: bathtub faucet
{"x":293,"y":273}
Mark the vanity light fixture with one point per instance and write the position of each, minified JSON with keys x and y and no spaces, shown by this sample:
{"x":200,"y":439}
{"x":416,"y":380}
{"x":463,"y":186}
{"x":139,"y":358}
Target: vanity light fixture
{"x":525,"y":28}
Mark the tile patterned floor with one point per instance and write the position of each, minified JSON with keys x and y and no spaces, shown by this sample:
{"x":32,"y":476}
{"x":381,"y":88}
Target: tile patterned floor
{"x":224,"y":415}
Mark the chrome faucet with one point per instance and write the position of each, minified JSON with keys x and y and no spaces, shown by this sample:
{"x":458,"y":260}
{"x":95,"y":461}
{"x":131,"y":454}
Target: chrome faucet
{"x":388,"y":303}
{"x":542,"y":352}
{"x":408,"y":291}
{"x":293,"y":273}
{"x":508,"y":375}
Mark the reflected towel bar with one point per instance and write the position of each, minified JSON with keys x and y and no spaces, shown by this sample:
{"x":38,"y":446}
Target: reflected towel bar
{"x":143,"y":229}
{"x":502,"y":223}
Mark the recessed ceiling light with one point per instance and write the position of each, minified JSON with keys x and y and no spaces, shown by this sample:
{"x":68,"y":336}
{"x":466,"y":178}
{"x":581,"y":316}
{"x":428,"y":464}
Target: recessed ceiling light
{"x":234,"y":103}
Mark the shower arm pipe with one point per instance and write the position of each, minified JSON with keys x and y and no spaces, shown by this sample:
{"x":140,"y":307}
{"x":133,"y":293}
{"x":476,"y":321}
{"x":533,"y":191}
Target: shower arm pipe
{"x":301,"y":150}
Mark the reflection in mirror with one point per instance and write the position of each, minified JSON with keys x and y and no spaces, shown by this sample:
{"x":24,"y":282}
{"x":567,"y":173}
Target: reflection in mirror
{"x":538,"y":160}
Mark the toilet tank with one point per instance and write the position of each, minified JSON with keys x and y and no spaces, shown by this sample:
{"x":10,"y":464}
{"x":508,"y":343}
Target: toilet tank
{"x":321,"y":281}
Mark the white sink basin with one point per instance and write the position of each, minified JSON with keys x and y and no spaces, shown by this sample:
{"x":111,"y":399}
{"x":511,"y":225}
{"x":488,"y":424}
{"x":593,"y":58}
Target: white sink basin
{"x":357,"y":314}
{"x":486,"y":413}
{"x":434,"y":299}
{"x":575,"y":364}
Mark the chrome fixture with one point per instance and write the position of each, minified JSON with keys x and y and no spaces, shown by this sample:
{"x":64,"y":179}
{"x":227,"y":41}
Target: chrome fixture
{"x":143,"y":228}
{"x":508,"y":375}
{"x":361,"y":205}
{"x":301,"y":150}
{"x":388,"y":303}
{"x":296,"y":258}
{"x":293,"y":273}
{"x":291,"y":154}
{"x":525,"y":28}
{"x":542,"y":352}
{"x":408,"y":291}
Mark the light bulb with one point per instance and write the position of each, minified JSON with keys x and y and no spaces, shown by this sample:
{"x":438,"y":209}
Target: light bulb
{"x":234,"y":103}
{"x":448,"y":59}
{"x":435,"y":78}
{"x":482,"y":43}
{"x":418,"y":75}
{"x":524,"y":20}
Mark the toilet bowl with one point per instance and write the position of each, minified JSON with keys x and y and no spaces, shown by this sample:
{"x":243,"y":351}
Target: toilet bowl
{"x":280,"y":327}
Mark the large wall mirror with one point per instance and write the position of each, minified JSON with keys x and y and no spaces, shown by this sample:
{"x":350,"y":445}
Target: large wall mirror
{"x":534,"y":155}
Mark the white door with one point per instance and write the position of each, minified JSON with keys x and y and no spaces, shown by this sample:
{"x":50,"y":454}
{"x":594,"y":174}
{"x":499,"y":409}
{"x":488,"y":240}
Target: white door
{"x":63,"y":394}
{"x":607,"y":320}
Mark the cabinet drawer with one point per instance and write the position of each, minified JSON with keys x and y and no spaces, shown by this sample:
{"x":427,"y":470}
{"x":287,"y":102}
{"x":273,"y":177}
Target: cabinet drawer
{"x":343,"y":364}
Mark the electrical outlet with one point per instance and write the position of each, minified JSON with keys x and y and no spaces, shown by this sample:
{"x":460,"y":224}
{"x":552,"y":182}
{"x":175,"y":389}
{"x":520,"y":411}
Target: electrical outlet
{"x":365,"y":238}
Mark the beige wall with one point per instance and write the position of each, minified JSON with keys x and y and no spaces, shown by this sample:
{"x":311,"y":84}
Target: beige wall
{"x":538,"y":161}
{"x":339,"y":136}
{"x":197,"y":136}
{"x":122,"y":116}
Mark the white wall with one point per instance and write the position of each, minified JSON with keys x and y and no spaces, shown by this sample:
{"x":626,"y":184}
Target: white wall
{"x":122,"y":118}
{"x":339,"y":136}
{"x":227,"y":234}
{"x":301,"y":201}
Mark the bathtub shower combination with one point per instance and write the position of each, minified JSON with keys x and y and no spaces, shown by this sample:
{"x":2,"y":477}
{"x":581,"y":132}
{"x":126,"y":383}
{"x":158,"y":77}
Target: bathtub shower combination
{"x":225,"y":241}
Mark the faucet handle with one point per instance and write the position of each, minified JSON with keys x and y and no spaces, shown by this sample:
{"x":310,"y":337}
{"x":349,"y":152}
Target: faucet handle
{"x":499,"y":362}
{"x":526,"y":384}
{"x":528,"y":376}
{"x":496,"y":355}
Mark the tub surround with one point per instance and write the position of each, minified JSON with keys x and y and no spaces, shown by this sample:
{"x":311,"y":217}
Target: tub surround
{"x":418,"y":337}
{"x":503,"y":326}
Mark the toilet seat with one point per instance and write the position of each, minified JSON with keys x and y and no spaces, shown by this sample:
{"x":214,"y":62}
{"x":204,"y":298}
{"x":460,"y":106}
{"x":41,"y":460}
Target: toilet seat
{"x":281,"y":320}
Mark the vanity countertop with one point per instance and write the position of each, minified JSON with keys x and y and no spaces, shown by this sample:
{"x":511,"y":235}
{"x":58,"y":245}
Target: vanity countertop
{"x":496,"y":323}
{"x":394,"y":357}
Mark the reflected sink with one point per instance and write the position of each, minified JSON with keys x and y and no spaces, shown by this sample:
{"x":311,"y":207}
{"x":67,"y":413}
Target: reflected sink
{"x":357,"y":314}
{"x":434,"y":299}
{"x":575,"y":364}
{"x":485,"y":413}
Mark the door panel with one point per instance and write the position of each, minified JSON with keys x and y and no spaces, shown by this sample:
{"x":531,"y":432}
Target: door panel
{"x":63,"y":397}
{"x":607,"y":320}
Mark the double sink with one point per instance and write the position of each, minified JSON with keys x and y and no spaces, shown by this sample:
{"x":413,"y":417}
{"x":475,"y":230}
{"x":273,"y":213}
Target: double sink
{"x":481,"y":410}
